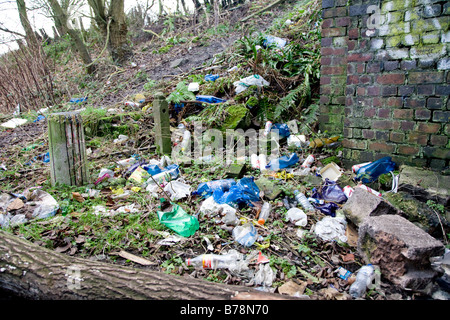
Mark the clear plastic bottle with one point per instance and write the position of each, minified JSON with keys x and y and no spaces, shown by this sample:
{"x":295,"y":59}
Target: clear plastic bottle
{"x":303,"y":201}
{"x":363,"y":279}
{"x":214,"y":261}
{"x":264,"y":214}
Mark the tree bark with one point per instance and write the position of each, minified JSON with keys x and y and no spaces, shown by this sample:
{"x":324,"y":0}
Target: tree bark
{"x":25,"y":22}
{"x":61,"y":19}
{"x":35,"y":272}
{"x":118,"y":46}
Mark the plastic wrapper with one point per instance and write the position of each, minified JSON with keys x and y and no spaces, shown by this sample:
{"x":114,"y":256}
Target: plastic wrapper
{"x":254,"y":80}
{"x":17,"y":219}
{"x":245,"y":235}
{"x":274,"y":41}
{"x":211,"y":77}
{"x":265,"y":275}
{"x":45,"y":205}
{"x":178,"y":190}
{"x":210,"y":206}
{"x":179,"y":221}
{"x":244,"y":192}
{"x":330,"y":229}
{"x":283,"y":162}
{"x":283,"y":129}
{"x":152,"y":169}
{"x":209,"y":99}
{"x":370,"y":172}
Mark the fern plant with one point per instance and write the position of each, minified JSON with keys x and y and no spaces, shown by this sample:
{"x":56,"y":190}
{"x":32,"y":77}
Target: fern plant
{"x":181,"y":93}
{"x":296,"y":97}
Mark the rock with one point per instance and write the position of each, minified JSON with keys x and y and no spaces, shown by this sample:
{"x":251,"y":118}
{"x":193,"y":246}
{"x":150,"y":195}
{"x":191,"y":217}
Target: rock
{"x":270,"y":190}
{"x":235,"y":171}
{"x":177,"y":63}
{"x":400,"y":248}
{"x":420,"y":213}
{"x":363,"y":204}
{"x":425,"y":184}
{"x":237,"y":116}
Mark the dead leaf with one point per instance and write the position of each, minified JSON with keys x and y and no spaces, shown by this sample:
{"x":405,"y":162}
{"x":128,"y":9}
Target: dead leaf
{"x":15,"y":205}
{"x":77,"y":196}
{"x":348,"y":257}
{"x":73,"y":250}
{"x":63,"y":248}
{"x":132,"y":257}
{"x":291,"y":288}
{"x":80,"y":239}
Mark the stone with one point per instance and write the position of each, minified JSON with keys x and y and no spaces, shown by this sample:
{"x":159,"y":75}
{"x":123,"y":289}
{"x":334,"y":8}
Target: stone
{"x":363,"y":204}
{"x":425,"y":184}
{"x":177,"y":63}
{"x":268,"y":187}
{"x":235,"y":171}
{"x":400,"y":249}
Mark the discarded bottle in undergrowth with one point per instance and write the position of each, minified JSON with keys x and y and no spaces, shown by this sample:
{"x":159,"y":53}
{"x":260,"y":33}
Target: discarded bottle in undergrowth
{"x":214,"y":261}
{"x":363,"y":279}
{"x":301,"y":198}
{"x":264,"y":214}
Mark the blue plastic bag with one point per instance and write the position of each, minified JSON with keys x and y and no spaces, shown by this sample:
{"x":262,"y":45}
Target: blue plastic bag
{"x":206,"y":189}
{"x":243,"y":193}
{"x":78,"y":100}
{"x":283,"y":129}
{"x":39,"y":117}
{"x":211,"y":77}
{"x":152,"y":169}
{"x":209,"y":99}
{"x":178,"y":107}
{"x":370,"y":172}
{"x":283,"y":162}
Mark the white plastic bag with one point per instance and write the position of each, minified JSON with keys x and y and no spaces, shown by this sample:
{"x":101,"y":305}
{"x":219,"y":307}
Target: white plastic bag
{"x":330,"y":228}
{"x":254,"y":80}
{"x":178,"y":190}
{"x":210,"y":206}
{"x":297,"y":217}
{"x":265,"y":275}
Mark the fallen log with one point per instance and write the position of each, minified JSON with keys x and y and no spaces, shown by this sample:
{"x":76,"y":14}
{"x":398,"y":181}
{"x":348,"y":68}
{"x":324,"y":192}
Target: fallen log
{"x":35,"y":272}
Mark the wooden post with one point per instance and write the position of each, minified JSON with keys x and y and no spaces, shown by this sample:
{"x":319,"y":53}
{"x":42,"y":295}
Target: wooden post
{"x":162,"y":124}
{"x":67,"y":149}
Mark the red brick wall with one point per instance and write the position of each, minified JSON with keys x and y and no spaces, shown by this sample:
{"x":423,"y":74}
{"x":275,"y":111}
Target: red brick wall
{"x":386,"y":88}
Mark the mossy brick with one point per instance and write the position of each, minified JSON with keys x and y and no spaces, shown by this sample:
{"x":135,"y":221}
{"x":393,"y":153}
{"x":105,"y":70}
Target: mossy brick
{"x":435,"y":152}
{"x":408,"y":150}
{"x":397,"y":136}
{"x":431,"y":37}
{"x":397,"y":53}
{"x":412,"y":14}
{"x":443,"y":90}
{"x":443,"y":64}
{"x":438,"y":140}
{"x":382,"y":147}
{"x":446,"y":8}
{"x":396,"y":5}
{"x":271,"y":191}
{"x":428,"y":52}
{"x":424,"y":25}
{"x":425,"y":127}
{"x":422,"y":77}
{"x":235,"y":171}
{"x":418,"y":138}
{"x":394,"y":41}
{"x":410,"y":39}
{"x":441,"y":116}
{"x":430,"y":11}
{"x":422,"y":114}
{"x":354,"y":144}
{"x":405,"y":114}
{"x":434,"y":103}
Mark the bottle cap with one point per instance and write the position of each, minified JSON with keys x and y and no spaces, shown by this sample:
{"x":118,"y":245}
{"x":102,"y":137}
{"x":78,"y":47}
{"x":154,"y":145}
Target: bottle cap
{"x":261,"y":221}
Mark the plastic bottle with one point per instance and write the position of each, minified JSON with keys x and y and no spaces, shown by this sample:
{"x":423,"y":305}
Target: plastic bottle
{"x":264,"y":214}
{"x":301,"y":199}
{"x":186,"y":140}
{"x":267,"y":128}
{"x":213,"y":261}
{"x":363,"y":279}
{"x":308,"y":161}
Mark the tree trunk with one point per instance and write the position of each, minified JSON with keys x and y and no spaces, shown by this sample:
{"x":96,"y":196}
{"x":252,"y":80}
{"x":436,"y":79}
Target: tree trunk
{"x":61,"y":19}
{"x":35,"y":272}
{"x":118,"y":46}
{"x":29,"y":33}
